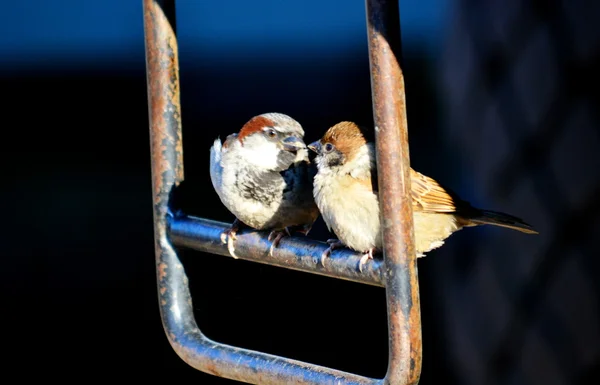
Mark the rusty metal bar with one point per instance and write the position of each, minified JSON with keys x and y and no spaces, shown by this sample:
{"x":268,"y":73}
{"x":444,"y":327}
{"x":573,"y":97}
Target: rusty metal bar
{"x":393,"y":164}
{"x":296,"y":253}
{"x":175,"y":302}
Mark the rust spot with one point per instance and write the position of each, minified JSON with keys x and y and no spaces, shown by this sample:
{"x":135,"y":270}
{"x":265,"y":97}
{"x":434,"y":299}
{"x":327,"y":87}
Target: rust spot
{"x":158,"y":168}
{"x":210,"y":367}
{"x":256,"y":124}
{"x":162,"y":271}
{"x":163,"y":290}
{"x":164,"y":101}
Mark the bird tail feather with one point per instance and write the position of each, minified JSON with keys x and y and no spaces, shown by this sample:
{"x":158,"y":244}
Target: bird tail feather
{"x":488,"y":217}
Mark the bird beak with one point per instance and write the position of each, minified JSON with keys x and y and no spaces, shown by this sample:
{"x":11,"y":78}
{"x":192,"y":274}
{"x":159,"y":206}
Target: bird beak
{"x":315,"y":146}
{"x":293,"y":143}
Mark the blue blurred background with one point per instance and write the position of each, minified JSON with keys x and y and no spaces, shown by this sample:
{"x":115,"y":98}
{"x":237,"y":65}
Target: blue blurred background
{"x":502,"y":106}
{"x":71,"y":32}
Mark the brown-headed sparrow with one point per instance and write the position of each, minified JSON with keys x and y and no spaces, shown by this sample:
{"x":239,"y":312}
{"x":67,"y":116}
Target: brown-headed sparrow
{"x":345,"y":190}
{"x":264,"y":177}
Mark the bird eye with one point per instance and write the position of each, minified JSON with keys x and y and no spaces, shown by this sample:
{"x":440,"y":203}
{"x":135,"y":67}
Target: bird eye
{"x":271,"y":133}
{"x":328,"y":147}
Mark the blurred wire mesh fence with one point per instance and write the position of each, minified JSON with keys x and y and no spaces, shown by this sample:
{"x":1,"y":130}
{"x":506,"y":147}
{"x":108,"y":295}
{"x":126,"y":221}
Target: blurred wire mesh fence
{"x":521,"y":106}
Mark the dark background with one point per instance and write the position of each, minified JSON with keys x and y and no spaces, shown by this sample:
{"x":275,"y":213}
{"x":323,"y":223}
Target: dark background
{"x":502,"y":106}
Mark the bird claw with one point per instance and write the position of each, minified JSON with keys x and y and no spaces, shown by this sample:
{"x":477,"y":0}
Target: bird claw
{"x":304,"y":230}
{"x":275,"y":236}
{"x":231,"y":247}
{"x":363,"y":260}
{"x":230,"y":235}
{"x":224,"y":237}
{"x":333,"y":244}
{"x":230,"y":232}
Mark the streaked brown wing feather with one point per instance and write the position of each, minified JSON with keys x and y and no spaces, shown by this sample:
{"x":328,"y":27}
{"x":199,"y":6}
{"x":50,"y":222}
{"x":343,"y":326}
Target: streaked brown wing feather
{"x":428,"y":195}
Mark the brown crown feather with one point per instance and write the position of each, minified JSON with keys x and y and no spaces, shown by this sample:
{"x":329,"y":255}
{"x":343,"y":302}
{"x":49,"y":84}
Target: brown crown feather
{"x":347,"y":137}
{"x":256,"y":124}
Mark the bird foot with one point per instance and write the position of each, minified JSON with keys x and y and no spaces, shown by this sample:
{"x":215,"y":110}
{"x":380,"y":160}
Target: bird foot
{"x":333,"y":244}
{"x":366,"y":256}
{"x":230,"y":235}
{"x":275,"y":236}
{"x":304,"y":230}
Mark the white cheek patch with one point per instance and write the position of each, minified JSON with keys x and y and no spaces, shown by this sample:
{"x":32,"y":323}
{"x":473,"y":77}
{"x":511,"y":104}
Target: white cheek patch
{"x":260,"y":152}
{"x":322,"y":166}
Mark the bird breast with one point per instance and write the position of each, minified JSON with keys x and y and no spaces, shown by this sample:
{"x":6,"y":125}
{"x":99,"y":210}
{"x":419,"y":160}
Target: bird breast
{"x":349,"y":209}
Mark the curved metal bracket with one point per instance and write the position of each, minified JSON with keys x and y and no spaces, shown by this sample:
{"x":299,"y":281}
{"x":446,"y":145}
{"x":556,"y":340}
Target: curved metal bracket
{"x":397,"y":273}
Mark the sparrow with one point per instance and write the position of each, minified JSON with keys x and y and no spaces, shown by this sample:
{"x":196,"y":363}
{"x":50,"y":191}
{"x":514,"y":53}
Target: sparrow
{"x":263,"y":176}
{"x":345,"y":190}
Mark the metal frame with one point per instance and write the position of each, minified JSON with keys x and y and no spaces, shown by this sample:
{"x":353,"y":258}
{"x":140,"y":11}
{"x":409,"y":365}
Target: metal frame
{"x":397,"y":272}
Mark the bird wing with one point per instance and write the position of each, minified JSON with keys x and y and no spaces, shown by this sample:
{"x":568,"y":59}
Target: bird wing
{"x":216,"y":169}
{"x":429,"y":195}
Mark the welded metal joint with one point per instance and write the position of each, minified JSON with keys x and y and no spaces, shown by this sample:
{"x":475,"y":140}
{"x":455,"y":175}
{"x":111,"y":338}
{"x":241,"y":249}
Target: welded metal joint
{"x":397,"y":272}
